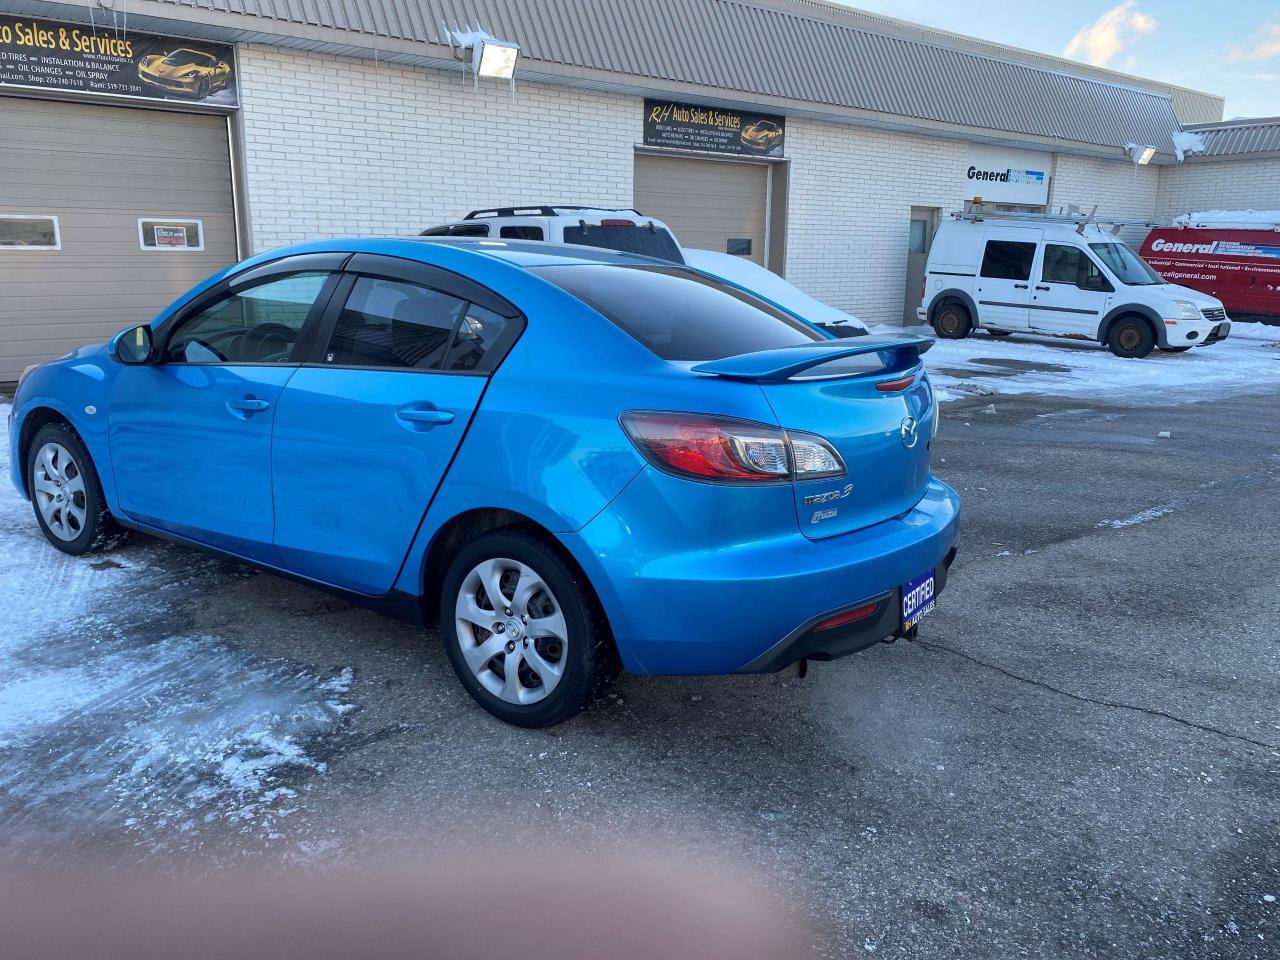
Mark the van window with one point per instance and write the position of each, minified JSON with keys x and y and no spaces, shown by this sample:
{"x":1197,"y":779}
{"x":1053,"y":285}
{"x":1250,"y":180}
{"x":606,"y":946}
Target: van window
{"x":645,"y":240}
{"x":1008,"y":260}
{"x":1126,"y":265}
{"x":679,"y":314}
{"x":521,"y":232}
{"x":1064,"y":264}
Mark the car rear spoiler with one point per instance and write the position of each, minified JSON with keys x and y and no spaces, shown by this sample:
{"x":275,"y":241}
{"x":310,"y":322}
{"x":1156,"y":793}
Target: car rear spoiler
{"x":783,"y":363}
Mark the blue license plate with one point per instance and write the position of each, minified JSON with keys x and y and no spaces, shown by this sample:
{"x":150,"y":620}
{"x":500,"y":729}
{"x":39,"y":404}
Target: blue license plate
{"x":917,"y":599}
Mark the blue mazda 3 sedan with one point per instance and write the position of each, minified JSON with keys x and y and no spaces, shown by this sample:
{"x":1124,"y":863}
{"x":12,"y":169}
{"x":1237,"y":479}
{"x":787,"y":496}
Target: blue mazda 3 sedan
{"x":574,"y":460}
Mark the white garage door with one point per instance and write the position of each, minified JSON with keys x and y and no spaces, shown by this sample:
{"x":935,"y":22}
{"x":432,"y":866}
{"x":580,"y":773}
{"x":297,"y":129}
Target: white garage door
{"x":99,"y":170}
{"x":708,"y":204}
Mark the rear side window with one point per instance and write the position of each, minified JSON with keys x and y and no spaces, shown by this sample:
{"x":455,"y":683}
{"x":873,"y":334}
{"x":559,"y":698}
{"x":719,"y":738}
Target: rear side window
{"x":386,"y":323}
{"x":521,"y":232}
{"x":678,"y":314}
{"x":644,"y":240}
{"x":1008,"y":260}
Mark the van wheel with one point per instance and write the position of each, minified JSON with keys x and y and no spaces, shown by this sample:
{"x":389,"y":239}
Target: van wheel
{"x":522,"y":631}
{"x":997,"y":333}
{"x":1131,"y":337}
{"x":952,"y":322}
{"x":1177,"y":349}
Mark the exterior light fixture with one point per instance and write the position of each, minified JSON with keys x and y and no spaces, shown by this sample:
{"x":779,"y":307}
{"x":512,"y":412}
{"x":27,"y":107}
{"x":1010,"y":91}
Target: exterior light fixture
{"x":490,"y":57}
{"x":494,"y":58}
{"x":1140,"y":153}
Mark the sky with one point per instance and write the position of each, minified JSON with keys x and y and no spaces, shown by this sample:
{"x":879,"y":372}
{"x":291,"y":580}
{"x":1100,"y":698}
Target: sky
{"x":1227,"y":47}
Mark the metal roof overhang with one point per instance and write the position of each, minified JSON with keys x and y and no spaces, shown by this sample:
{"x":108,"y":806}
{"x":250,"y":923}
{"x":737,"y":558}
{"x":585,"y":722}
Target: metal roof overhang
{"x":200,"y":21}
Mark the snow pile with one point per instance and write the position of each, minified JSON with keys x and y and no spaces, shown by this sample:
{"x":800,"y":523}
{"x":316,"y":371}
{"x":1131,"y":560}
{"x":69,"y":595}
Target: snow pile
{"x":1187,"y":141}
{"x":981,"y":365}
{"x":111,"y":720}
{"x":1227,"y":219}
{"x":752,"y":276}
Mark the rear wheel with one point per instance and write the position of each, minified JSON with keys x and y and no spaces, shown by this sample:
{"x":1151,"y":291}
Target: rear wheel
{"x":521,"y":630}
{"x":66,"y":494}
{"x":952,"y":322}
{"x":1131,"y":337}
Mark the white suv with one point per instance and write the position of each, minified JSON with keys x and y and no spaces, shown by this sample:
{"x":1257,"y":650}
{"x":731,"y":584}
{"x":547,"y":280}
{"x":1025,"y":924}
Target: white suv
{"x":625,"y":230}
{"x":1061,"y":276}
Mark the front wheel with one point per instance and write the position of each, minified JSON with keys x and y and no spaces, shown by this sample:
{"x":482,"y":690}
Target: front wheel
{"x":66,"y":494}
{"x":1131,"y":338}
{"x":521,"y":630}
{"x":952,"y":322}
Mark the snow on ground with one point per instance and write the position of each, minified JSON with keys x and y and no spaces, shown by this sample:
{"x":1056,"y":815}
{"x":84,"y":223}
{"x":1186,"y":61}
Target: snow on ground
{"x":981,"y":365}
{"x":114,"y":721}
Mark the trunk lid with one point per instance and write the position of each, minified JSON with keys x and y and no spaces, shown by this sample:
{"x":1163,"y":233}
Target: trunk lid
{"x":837,"y":390}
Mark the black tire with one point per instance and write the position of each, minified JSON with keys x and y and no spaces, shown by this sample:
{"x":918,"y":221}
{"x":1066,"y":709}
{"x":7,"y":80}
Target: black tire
{"x":997,"y":333}
{"x":202,"y":89}
{"x":587,"y":654}
{"x":1131,"y":337}
{"x":1177,"y":349}
{"x":99,"y":530}
{"x":952,"y":322}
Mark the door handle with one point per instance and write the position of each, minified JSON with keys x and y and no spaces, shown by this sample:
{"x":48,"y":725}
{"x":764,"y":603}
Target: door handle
{"x":425,"y":415}
{"x":1045,"y":289}
{"x":1019,"y":286}
{"x":248,"y":405}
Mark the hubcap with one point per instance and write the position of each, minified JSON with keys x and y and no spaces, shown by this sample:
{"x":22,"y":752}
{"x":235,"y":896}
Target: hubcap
{"x":58,"y":486}
{"x":511,"y":630}
{"x":1129,"y":338}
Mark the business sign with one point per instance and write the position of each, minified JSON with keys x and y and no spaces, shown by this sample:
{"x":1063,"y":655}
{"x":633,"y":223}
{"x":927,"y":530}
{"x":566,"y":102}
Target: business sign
{"x":1006,"y":175}
{"x":688,"y":127}
{"x":47,"y":55}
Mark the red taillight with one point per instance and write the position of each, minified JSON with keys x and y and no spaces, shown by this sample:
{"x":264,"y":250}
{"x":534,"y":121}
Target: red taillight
{"x":849,"y":616}
{"x":617,"y":223}
{"x":710,"y":448}
{"x":888,"y":386}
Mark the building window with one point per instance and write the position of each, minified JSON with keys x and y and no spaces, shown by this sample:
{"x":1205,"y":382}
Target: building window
{"x":24,"y":232}
{"x":738,"y":246}
{"x":170,"y":234}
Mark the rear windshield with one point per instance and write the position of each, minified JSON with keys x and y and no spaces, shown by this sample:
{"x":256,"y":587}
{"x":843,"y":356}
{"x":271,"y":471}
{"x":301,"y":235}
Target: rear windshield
{"x":645,"y":240}
{"x":679,"y":314}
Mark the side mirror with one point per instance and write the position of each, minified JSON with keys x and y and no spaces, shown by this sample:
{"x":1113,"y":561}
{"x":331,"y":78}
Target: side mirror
{"x":133,"y":346}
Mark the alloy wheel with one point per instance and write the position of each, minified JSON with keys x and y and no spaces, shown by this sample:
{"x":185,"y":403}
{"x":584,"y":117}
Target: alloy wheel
{"x":58,"y":486}
{"x":511,"y":631}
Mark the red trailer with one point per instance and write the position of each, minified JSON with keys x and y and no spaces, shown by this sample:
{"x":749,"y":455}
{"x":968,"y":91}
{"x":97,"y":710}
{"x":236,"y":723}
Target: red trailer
{"x":1234,"y":258}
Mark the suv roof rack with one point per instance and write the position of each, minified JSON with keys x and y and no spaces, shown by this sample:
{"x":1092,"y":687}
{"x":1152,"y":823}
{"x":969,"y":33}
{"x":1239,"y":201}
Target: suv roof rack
{"x":537,"y":210}
{"x":1070,"y":214}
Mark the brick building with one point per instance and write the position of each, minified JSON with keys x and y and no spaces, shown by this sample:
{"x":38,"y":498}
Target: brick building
{"x":148,"y":143}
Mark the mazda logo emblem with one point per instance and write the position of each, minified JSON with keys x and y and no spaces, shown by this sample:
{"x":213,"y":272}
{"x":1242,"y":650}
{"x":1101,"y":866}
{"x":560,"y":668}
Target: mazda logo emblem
{"x":910,"y":435}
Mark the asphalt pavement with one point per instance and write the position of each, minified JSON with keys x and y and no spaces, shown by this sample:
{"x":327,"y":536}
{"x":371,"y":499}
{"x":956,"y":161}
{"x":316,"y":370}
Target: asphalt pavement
{"x":1079,"y":756}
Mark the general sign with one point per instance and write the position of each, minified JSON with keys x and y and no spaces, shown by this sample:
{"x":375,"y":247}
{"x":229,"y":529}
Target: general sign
{"x":48,"y":55}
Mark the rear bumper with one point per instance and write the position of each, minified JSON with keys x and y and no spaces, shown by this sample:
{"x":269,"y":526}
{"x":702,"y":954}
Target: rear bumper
{"x":678,"y":604}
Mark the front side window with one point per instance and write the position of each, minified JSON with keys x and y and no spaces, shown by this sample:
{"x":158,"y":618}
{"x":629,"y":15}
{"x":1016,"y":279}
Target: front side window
{"x":678,"y":314}
{"x":1008,"y":260}
{"x":392,"y":324}
{"x":1125,"y":264}
{"x":1065,"y":264}
{"x":259,"y":324}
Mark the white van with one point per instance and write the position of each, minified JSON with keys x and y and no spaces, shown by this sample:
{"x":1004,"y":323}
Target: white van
{"x":1058,"y":275}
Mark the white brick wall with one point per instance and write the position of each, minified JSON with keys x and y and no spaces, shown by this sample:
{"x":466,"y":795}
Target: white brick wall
{"x":336,"y":146}
{"x":1219,"y":185}
{"x":1119,"y":188}
{"x":849,"y":210}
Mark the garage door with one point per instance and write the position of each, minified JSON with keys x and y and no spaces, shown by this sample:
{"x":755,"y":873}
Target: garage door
{"x":709,"y":204}
{"x":99,"y":170}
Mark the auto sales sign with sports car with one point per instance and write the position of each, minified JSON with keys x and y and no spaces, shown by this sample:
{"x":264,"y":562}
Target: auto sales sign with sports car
{"x":105,"y":58}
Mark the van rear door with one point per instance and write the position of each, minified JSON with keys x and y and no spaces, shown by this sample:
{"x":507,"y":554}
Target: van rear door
{"x":1004,"y":277}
